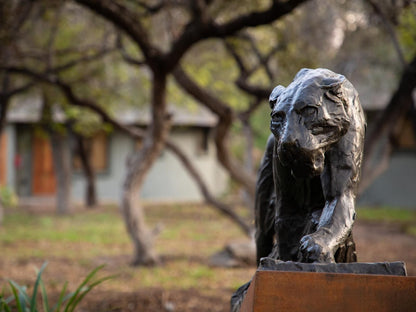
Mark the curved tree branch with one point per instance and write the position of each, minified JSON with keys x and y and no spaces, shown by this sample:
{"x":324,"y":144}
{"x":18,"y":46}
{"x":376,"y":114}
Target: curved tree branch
{"x":390,"y":30}
{"x":126,"y":20}
{"x":198,"y":30}
{"x":225,"y":119}
{"x":138,"y":133}
{"x":400,"y":105}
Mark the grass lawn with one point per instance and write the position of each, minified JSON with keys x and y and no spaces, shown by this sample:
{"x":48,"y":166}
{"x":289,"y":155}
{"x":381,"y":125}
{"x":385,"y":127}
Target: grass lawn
{"x":406,"y":218}
{"x":75,"y":244}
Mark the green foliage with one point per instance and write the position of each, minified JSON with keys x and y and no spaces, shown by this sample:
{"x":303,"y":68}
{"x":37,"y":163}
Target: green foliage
{"x":190,"y":233}
{"x":260,"y":121}
{"x":407,"y":30}
{"x":405,"y":218}
{"x":211,"y":67}
{"x":91,"y":229}
{"x":7,"y":197}
{"x":387,"y":214}
{"x":23,"y":302}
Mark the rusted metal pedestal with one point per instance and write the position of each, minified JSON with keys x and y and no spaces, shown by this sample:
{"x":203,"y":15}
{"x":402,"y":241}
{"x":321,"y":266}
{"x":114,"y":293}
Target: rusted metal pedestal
{"x":304,"y":291}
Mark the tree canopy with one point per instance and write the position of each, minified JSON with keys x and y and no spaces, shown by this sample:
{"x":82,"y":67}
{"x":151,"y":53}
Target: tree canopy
{"x":96,"y":56}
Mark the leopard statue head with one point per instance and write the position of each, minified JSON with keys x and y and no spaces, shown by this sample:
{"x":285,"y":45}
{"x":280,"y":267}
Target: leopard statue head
{"x":309,"y":116}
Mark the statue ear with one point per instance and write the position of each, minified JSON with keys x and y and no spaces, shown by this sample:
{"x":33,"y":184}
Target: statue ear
{"x":301,"y":73}
{"x":333,"y":88}
{"x":336,"y":90}
{"x":277,"y":91}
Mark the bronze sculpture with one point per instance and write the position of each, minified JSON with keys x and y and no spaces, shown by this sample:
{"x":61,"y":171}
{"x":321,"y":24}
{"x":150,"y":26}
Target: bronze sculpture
{"x":308,"y":178}
{"x":307,"y":182}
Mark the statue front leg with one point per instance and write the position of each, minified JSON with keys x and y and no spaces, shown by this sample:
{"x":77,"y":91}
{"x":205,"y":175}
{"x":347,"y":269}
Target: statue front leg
{"x":334,"y":228}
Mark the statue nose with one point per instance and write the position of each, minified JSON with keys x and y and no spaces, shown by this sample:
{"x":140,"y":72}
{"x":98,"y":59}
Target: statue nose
{"x":291,"y":148}
{"x":290,"y":134}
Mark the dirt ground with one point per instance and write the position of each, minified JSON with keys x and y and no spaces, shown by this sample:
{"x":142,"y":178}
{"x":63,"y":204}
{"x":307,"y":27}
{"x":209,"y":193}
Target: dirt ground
{"x":375,"y":242}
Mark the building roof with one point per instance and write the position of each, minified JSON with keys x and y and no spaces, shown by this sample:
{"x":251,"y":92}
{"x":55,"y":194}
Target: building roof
{"x":181,"y":116}
{"x":27,"y":109}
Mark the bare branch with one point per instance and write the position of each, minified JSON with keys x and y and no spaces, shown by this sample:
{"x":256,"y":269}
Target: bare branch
{"x":226,"y":116}
{"x":253,"y":90}
{"x":399,"y":106}
{"x":242,"y":80}
{"x":150,"y":9}
{"x":262,"y":60}
{"x":72,"y":98}
{"x":127,"y":57}
{"x":209,"y":198}
{"x":138,"y":134}
{"x":85,"y":59}
{"x":17,"y":90}
{"x":238,"y":60}
{"x":401,"y":100}
{"x":390,"y":31}
{"x":127,"y":21}
{"x":245,"y":115}
{"x":376,"y":170}
{"x":199,"y":30}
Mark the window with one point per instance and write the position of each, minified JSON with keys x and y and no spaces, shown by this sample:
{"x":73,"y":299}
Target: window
{"x":202,"y":141}
{"x":97,"y":151}
{"x":406,"y":136}
{"x":3,"y":155}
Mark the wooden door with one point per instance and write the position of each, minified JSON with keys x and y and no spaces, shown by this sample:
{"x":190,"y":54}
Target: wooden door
{"x":3,"y":159}
{"x":43,"y":175}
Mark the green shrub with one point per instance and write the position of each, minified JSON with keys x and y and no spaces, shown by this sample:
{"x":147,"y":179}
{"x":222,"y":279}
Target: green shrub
{"x":7,"y":197}
{"x":22,"y":302}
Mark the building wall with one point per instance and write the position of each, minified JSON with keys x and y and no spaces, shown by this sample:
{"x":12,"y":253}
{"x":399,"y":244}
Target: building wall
{"x":7,"y":151}
{"x":167,"y":180}
{"x":397,"y":186}
{"x":108,"y":182}
{"x":3,"y":158}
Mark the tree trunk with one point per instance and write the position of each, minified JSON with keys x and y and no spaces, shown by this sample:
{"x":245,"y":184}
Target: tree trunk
{"x":209,"y":198}
{"x":399,"y":106}
{"x":90,"y":192}
{"x":248,"y":159}
{"x":247,"y":179}
{"x":4,"y":102}
{"x":1,"y":214}
{"x":61,"y":154}
{"x":62,"y":164}
{"x":225,"y":119}
{"x":137,"y":169}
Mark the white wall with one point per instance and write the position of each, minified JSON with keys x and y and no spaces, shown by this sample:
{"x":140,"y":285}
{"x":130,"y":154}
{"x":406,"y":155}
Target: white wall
{"x":10,"y":132}
{"x":167,"y":180}
{"x":397,"y":186}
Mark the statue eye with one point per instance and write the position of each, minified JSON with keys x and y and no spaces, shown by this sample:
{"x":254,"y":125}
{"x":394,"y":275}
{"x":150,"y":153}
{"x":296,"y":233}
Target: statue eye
{"x":309,"y":112}
{"x":278,"y":117}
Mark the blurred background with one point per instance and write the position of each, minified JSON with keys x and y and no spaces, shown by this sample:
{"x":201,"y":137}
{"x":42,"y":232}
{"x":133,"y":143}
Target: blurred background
{"x":131,"y":133}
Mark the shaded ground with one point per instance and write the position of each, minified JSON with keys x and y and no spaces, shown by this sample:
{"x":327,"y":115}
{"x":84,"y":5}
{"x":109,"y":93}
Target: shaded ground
{"x":375,"y":242}
{"x":378,"y":242}
{"x":136,"y":290}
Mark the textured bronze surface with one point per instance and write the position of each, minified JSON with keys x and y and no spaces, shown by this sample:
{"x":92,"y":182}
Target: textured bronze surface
{"x":307,"y":181}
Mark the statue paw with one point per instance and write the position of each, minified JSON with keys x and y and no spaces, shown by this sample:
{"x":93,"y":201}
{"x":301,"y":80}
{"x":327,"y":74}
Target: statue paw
{"x":314,"y":250}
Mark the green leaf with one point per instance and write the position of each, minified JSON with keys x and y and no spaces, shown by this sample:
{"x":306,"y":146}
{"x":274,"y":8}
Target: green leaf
{"x":4,"y":307}
{"x":16,"y":296}
{"x":45,"y":301}
{"x":62,"y":298}
{"x":87,"y":290}
{"x":35,"y":288}
{"x":80,"y":289}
